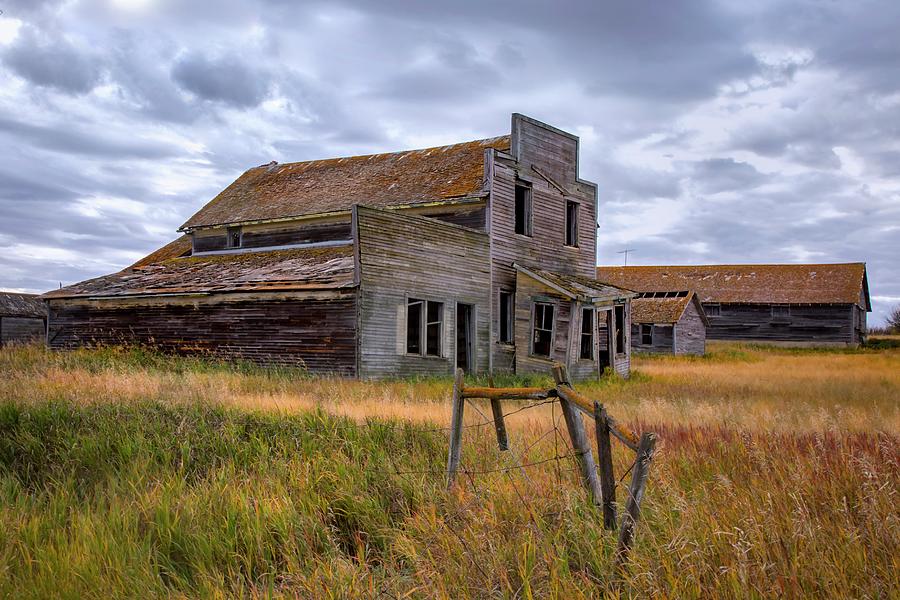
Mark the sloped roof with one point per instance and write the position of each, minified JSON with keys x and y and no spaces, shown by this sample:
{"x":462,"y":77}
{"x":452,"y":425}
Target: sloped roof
{"x":21,"y":305}
{"x":662,"y":310}
{"x":177,"y":247}
{"x":281,"y":191}
{"x":580,"y":288}
{"x":279,"y":270}
{"x":749,"y":284}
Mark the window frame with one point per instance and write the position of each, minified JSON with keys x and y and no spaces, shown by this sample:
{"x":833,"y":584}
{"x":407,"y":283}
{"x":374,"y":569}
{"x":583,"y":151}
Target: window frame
{"x":591,"y":335}
{"x":713,"y":310}
{"x":784,"y":309}
{"x":534,"y":329}
{"x":620,"y":330}
{"x":528,"y":217}
{"x":229,"y":232}
{"x":646,"y":331}
{"x":510,"y":298}
{"x":572,"y":225}
{"x":423,"y":324}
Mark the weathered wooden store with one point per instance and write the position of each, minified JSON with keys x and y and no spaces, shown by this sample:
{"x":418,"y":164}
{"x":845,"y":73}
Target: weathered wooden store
{"x":478,"y":255}
{"x":23,"y":318}
{"x":668,"y":323}
{"x":795,"y":304}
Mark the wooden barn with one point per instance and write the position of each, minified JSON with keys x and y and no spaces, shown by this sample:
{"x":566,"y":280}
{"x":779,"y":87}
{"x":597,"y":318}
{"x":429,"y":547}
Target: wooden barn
{"x":478,"y":255}
{"x":794,"y":304}
{"x":23,"y":318}
{"x":668,"y":323}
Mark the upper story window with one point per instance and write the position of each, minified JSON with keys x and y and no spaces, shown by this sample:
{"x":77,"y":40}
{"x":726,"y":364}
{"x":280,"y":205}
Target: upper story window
{"x":507,"y":312}
{"x":424,"y":324}
{"x":233,"y":237}
{"x":571,"y":223}
{"x":542,"y":333}
{"x":587,"y":334}
{"x":523,"y":208}
{"x":781,"y":311}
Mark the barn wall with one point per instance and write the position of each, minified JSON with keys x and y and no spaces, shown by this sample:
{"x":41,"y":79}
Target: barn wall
{"x":555,"y":154}
{"x":406,"y":256}
{"x":663,"y":339}
{"x":690,"y":332}
{"x":316,"y":331}
{"x":21,"y":329}
{"x":807,"y":324}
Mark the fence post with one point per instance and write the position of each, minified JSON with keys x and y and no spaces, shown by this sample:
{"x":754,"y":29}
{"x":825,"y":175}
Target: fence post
{"x":456,"y":427}
{"x":579,"y":438}
{"x":636,"y":493}
{"x":605,"y":466}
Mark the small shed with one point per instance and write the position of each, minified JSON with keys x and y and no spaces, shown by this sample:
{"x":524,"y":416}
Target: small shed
{"x":668,"y":323}
{"x":23,"y":318}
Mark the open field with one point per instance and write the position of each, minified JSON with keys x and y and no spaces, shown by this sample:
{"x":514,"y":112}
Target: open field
{"x":126,"y":473}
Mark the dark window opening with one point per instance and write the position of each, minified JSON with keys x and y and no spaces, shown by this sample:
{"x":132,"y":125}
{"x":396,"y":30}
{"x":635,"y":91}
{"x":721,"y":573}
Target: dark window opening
{"x":507,"y":310}
{"x":571,"y":223}
{"x":233,"y":237}
{"x":647,"y":335}
{"x":620,"y":329}
{"x":542,"y":338}
{"x":587,"y":334}
{"x":781,"y":311}
{"x":713,"y":310}
{"x":523,"y":209}
{"x":424,"y":327}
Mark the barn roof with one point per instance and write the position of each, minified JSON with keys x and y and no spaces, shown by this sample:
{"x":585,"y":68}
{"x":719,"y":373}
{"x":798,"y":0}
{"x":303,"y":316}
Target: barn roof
{"x":663,"y":309}
{"x":278,"y":270}
{"x":412,"y":177}
{"x":21,"y":305}
{"x":750,"y":284}
{"x":579,"y":288}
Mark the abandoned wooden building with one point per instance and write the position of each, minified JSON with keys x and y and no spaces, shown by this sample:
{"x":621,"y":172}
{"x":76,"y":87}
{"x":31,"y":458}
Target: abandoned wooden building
{"x":23,"y":318}
{"x":668,"y":323}
{"x":478,"y":255}
{"x":796,"y":304}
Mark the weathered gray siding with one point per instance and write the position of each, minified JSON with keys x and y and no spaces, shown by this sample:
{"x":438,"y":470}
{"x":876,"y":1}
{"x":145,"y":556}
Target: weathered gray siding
{"x":811,"y":324}
{"x":690,"y":332}
{"x":315,"y":330}
{"x":553,"y":153}
{"x":403,"y":256}
{"x":20,"y":329}
{"x":663,"y":339}
{"x":529,"y":291}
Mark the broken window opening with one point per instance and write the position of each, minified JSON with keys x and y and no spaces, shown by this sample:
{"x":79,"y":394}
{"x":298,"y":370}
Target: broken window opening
{"x":587,"y":334}
{"x":542,"y":336}
{"x":620,"y":329}
{"x":507,"y":310}
{"x":647,"y":335}
{"x":571,"y":223}
{"x":523,"y":209}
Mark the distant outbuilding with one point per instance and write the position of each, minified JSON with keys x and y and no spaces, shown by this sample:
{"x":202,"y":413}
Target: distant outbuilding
{"x":23,"y":317}
{"x":795,"y":304}
{"x":668,"y":323}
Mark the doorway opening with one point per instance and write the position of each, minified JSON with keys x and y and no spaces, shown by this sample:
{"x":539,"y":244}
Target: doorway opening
{"x":465,"y":337}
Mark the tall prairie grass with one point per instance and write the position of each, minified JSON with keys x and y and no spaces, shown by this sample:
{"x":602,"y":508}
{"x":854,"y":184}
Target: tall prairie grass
{"x":125,"y":473}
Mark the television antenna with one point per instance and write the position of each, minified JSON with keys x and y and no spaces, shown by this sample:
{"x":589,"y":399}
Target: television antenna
{"x":625,"y":252}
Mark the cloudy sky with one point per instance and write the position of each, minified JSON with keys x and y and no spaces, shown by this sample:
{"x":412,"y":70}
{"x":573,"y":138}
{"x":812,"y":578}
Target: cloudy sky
{"x":764,"y":131}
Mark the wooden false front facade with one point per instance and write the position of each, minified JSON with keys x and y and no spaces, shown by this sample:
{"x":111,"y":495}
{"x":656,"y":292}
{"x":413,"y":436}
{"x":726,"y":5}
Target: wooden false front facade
{"x":404,"y":264}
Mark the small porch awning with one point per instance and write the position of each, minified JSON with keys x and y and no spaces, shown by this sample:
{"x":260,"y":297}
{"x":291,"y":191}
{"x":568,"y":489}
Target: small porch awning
{"x":582,"y":289}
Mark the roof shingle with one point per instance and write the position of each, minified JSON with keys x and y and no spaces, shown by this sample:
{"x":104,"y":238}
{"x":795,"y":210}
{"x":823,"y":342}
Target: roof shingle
{"x":21,"y":305}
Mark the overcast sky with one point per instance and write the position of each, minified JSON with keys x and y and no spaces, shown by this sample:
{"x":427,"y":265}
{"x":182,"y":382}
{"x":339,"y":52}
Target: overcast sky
{"x":761,"y":131}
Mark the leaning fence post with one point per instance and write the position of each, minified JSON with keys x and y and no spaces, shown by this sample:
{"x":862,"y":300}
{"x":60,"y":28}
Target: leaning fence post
{"x":499,"y":424}
{"x":456,"y":427}
{"x":605,"y":466}
{"x":579,"y":438}
{"x":635,"y":494}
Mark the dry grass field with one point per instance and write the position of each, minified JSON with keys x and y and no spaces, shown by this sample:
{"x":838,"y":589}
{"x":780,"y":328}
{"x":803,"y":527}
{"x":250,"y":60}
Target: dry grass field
{"x":125,"y":473}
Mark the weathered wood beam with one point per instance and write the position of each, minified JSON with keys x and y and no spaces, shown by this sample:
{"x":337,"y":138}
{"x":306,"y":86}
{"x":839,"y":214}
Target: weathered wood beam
{"x":456,"y":427}
{"x":605,"y":466}
{"x":582,"y":403}
{"x":499,"y":424}
{"x":525,"y":393}
{"x":635,"y":495}
{"x":579,"y":439}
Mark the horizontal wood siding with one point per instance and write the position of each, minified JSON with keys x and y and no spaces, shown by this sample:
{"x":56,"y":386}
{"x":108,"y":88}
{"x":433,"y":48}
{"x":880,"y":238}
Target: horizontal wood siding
{"x":690,"y":332}
{"x":528,"y":291}
{"x":403,"y":256}
{"x":554,"y":155}
{"x":316,"y":332}
{"x":21,"y":329}
{"x":806,"y":324}
{"x":663,"y":339}
{"x":285,"y":236}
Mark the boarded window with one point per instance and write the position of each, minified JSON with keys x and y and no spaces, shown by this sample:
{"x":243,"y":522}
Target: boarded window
{"x":647,"y":335}
{"x":542,"y":337}
{"x":713,"y":310}
{"x":523,"y":209}
{"x":233,"y":237}
{"x":424,"y":327}
{"x":587,"y":334}
{"x":781,"y":311}
{"x":507,"y":310}
{"x":571,"y":223}
{"x":620,"y":329}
